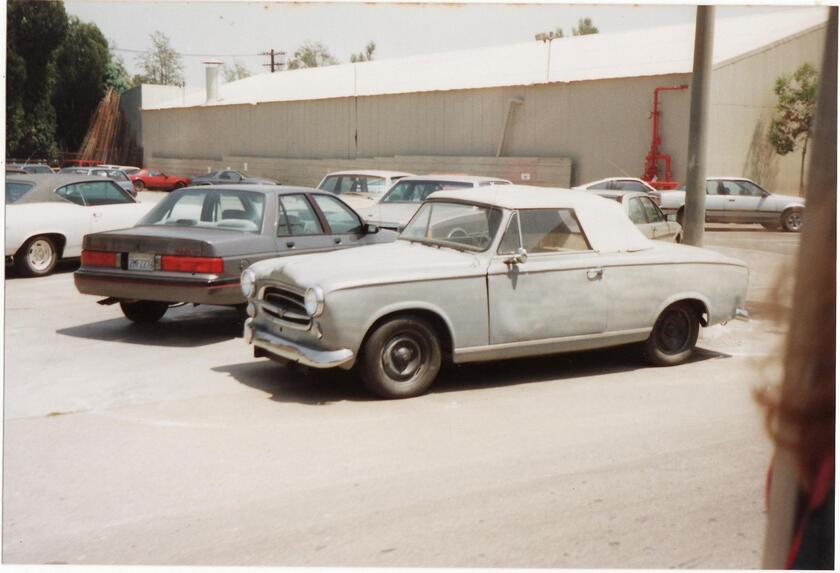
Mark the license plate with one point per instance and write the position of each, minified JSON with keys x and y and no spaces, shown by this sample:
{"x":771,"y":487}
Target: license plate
{"x":141,"y":262}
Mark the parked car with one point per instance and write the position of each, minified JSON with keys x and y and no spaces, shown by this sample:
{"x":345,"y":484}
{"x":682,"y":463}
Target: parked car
{"x":396,"y":207}
{"x":78,"y":163}
{"x":193,"y":245}
{"x":47,"y":216}
{"x":479,"y":276}
{"x":231,"y":177}
{"x":621,"y":184}
{"x":117,"y":175}
{"x":31,"y":168}
{"x":641,"y":209}
{"x":157,"y":179}
{"x":739,"y":200}
{"x":360,"y":188}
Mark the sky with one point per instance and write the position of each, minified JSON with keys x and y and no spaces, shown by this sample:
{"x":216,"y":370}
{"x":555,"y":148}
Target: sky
{"x":240,"y":31}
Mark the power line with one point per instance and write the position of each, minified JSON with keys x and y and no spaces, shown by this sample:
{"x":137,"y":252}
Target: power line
{"x":189,"y":55}
{"x":271,"y":53}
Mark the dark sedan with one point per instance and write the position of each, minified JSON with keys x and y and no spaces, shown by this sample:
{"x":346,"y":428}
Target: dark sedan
{"x":229,"y":177}
{"x":194,"y":244}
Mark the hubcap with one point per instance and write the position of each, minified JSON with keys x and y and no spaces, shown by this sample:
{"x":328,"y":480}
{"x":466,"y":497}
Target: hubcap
{"x":40,"y":255}
{"x":402,"y":357}
{"x":794,"y":220}
{"x":674,"y":332}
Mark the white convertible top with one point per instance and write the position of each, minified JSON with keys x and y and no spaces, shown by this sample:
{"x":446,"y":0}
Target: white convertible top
{"x":603,"y":220}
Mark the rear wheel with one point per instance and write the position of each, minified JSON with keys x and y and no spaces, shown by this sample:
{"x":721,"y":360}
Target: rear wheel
{"x":139,"y":185}
{"x":37,"y":257}
{"x":180,"y":185}
{"x":674,"y":335}
{"x":792,"y":220}
{"x":144,"y":311}
{"x":401,"y":358}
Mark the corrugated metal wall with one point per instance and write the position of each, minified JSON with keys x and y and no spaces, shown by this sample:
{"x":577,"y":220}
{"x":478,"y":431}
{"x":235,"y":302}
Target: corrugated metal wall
{"x":603,"y":126}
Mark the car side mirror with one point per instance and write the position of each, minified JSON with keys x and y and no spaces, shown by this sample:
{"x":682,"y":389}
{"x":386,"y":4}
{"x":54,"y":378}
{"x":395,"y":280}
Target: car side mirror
{"x":520,"y":257}
{"x":370,"y":229}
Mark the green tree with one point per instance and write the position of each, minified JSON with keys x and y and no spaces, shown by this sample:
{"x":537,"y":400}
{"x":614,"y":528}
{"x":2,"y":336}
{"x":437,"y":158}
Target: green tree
{"x":311,"y":55}
{"x":34,"y":30}
{"x":558,"y":32}
{"x":235,"y":72}
{"x":584,"y":27}
{"x":81,"y":65}
{"x":161,"y":64}
{"x":116,"y":76}
{"x":796,"y":104}
{"x":366,"y":55}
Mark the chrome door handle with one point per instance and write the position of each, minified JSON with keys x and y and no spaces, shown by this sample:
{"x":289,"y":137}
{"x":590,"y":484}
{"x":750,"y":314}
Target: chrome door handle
{"x":337,"y":241}
{"x":595,"y":274}
{"x":731,"y":200}
{"x":290,"y":244}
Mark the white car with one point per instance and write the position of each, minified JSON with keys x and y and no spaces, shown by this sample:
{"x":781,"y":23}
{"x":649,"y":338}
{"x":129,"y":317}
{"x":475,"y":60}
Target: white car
{"x":620,"y":184}
{"x":48,"y":215}
{"x":740,"y":200}
{"x":360,"y":188}
{"x":394,"y":209}
{"x":641,"y":209}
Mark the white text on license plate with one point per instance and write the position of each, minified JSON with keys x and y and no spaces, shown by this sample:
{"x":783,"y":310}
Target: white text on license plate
{"x":141,"y":262}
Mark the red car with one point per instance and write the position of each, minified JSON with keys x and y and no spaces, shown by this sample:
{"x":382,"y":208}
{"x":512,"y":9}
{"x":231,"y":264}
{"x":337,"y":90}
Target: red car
{"x":157,"y":179}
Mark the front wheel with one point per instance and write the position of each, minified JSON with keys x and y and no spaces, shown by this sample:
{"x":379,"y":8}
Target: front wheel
{"x":792,"y":220}
{"x":139,"y":185}
{"x":37,"y":257}
{"x":674,"y":335}
{"x":401,"y":358}
{"x":144,"y":311}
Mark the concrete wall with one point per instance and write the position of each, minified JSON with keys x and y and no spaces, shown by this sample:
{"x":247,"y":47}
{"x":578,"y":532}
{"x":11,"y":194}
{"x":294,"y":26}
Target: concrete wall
{"x":602,"y":126}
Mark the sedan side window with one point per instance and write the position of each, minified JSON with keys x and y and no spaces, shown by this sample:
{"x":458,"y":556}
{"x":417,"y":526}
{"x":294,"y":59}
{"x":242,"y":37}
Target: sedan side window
{"x":103,"y":193}
{"x":72,"y":193}
{"x":340,"y":218}
{"x":551,"y":230}
{"x":654,"y":215}
{"x":298,"y":217}
{"x":636,"y":212}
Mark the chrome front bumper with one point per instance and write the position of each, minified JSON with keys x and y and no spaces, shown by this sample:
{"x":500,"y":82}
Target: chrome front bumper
{"x":294,"y":351}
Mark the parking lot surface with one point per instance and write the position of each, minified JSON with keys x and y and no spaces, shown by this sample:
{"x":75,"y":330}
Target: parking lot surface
{"x":171,"y":444}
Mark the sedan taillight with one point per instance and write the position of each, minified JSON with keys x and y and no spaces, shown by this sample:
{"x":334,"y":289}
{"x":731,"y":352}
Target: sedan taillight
{"x":207,"y":265}
{"x":100,"y":259}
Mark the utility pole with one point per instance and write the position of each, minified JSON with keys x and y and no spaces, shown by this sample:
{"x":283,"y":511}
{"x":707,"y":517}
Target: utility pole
{"x":271,"y":53}
{"x":694,"y":217}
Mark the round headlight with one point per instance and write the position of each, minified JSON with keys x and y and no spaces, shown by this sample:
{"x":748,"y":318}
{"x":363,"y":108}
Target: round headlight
{"x":313,"y":301}
{"x":247,"y":282}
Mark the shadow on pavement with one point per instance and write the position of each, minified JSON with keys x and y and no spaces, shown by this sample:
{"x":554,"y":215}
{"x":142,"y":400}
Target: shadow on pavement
{"x":182,"y":327}
{"x":740,"y":229}
{"x":322,"y":387}
{"x":63,"y":267}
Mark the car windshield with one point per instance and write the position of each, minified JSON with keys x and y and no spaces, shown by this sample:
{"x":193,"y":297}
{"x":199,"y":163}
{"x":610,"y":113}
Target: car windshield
{"x":418,"y":191}
{"x":348,"y":183}
{"x":131,"y":170}
{"x":457,"y":225}
{"x":230,"y":210}
{"x":15,"y":190}
{"x":115,"y":174}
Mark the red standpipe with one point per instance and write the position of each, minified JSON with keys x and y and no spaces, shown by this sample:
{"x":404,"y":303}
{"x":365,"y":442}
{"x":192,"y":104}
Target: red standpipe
{"x":652,"y":174}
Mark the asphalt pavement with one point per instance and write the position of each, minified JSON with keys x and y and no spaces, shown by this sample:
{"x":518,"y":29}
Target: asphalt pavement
{"x":171,"y":444}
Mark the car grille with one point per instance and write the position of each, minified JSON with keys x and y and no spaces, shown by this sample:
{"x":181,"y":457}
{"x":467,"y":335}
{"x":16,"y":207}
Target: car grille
{"x":286,"y":306}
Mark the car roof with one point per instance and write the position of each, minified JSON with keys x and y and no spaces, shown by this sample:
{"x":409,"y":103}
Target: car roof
{"x":257,"y":188}
{"x":603,"y":220}
{"x":370,"y":172}
{"x":45,"y":185}
{"x":453,"y":178}
{"x":615,"y":194}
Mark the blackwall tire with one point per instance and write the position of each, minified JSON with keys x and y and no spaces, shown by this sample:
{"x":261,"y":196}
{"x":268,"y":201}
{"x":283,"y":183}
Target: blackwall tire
{"x":37,"y":257}
{"x":139,"y":186}
{"x":401,"y":358}
{"x":144,"y":311}
{"x":674,"y":335}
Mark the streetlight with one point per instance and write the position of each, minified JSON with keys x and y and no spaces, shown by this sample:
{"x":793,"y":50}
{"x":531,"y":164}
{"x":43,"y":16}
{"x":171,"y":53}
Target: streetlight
{"x":547,"y":37}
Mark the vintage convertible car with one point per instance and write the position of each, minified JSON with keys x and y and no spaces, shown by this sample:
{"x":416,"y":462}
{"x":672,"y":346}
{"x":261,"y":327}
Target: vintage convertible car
{"x":194,"y":244}
{"x":480,"y":275}
{"x":48,"y":215}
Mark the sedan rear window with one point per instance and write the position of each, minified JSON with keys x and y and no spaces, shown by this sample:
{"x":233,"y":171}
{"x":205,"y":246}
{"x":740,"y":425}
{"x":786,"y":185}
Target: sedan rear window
{"x":417,"y":191}
{"x":217,"y":209}
{"x":15,"y":190}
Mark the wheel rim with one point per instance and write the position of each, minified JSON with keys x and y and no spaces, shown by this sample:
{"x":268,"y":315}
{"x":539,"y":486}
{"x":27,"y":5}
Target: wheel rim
{"x":40,"y":255}
{"x":794,"y":220}
{"x":674,"y":332}
{"x":403,"y":356}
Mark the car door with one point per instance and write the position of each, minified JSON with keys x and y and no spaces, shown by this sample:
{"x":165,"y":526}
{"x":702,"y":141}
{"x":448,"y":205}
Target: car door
{"x":345,"y":226}
{"x":717,"y":197}
{"x":557,"y":292}
{"x":79,"y":219}
{"x":656,"y":220}
{"x":111,"y":206}
{"x":155,"y":179}
{"x":748,"y":203}
{"x":299,"y":226}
